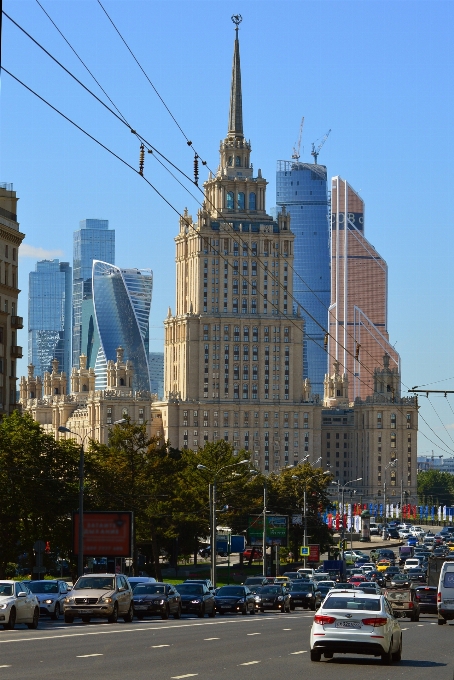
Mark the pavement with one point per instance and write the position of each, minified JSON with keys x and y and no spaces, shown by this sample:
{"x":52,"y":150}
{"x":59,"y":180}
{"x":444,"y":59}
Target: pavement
{"x":261,"y":647}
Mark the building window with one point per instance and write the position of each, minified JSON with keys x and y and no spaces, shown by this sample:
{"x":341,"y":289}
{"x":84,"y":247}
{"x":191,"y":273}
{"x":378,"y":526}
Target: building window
{"x":244,"y":306}
{"x":240,"y":200}
{"x":393,"y":421}
{"x":408,"y":421}
{"x":230,"y":205}
{"x":393,"y":441}
{"x":379,"y":420}
{"x":252,"y":201}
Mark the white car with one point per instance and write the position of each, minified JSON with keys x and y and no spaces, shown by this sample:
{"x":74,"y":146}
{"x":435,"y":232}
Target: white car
{"x":418,"y":532}
{"x":355,"y":623}
{"x":411,"y":562}
{"x":50,"y":596}
{"x":17,"y":605}
{"x":403,"y":533}
{"x":370,"y":566}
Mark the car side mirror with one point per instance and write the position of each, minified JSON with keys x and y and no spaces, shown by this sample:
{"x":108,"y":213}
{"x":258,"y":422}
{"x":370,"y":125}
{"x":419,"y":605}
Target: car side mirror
{"x":22,"y":594}
{"x":121,"y":589}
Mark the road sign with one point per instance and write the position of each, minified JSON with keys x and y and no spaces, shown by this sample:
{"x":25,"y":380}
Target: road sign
{"x":297,"y":519}
{"x":304,"y":550}
{"x":276,"y":530}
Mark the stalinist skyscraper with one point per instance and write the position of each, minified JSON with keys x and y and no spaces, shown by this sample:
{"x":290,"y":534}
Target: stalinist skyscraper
{"x":233,"y":348}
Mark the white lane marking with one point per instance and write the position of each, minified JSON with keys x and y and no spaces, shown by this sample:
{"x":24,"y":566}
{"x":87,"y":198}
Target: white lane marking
{"x":135,"y":629}
{"x":305,"y":652}
{"x":157,"y":646}
{"x":404,"y":628}
{"x":253,"y":633}
{"x":211,"y":639}
{"x":85,"y":656}
{"x":286,"y":629}
{"x":433,"y":624}
{"x":420,"y":625}
{"x":5,"y":666}
{"x":188,"y":675}
{"x":249,"y":663}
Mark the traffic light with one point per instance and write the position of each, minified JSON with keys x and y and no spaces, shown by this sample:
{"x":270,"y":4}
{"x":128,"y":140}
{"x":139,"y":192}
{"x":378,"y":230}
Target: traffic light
{"x":47,"y":548}
{"x":343,"y":544}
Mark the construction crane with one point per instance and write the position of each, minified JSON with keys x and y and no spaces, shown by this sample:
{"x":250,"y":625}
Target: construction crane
{"x":316,"y":151}
{"x":296,"y":148}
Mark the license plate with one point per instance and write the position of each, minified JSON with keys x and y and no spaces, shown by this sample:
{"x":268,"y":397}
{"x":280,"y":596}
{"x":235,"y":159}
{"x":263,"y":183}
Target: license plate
{"x":347,"y":624}
{"x":448,"y":601}
{"x":85,"y":611}
{"x":140,"y":606}
{"x":225,"y":606}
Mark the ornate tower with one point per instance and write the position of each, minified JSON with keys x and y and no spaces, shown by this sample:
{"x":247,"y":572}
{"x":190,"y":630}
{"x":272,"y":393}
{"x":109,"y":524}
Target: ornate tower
{"x":234,"y":342}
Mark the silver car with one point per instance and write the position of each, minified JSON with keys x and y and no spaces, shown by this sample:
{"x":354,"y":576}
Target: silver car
{"x":50,"y":596}
{"x":106,"y":596}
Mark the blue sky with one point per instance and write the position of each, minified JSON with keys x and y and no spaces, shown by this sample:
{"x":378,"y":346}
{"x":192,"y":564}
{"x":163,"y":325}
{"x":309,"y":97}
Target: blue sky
{"x":379,"y":74}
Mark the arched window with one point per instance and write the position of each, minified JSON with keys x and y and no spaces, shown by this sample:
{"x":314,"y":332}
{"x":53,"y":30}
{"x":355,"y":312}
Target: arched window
{"x":230,"y":161}
{"x":238,"y":162}
{"x":84,"y":388}
{"x":255,"y":334}
{"x":245,"y":391}
{"x":244,"y":306}
{"x":122,"y":382}
{"x":56,"y":391}
{"x":32,"y":395}
{"x":252,"y":201}
{"x":240,"y":200}
{"x":230,"y":205}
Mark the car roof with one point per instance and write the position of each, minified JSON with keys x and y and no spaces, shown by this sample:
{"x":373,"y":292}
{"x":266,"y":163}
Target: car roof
{"x":8,"y":581}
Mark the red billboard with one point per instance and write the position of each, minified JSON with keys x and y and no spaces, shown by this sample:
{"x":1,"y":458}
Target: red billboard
{"x":314,"y":553}
{"x":106,"y":534}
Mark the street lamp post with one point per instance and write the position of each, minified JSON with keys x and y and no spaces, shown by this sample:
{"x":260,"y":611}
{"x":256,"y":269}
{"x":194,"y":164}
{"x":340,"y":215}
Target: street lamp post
{"x":213,"y":513}
{"x":351,"y":481}
{"x":80,"y":556}
{"x":390,"y":464}
{"x":327,"y":472}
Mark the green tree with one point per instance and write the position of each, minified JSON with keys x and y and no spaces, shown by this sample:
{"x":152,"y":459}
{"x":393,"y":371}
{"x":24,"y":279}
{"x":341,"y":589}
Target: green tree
{"x":38,"y":487}
{"x":436,"y":487}
{"x":286,"y":495}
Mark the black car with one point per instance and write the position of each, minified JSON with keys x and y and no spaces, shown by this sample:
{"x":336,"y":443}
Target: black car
{"x":274,"y":597}
{"x":417,"y":575}
{"x":399,"y":580}
{"x":427,"y":598}
{"x":196,"y":599}
{"x":201,"y":581}
{"x":305,"y":595}
{"x":235,"y":599}
{"x":393,"y":533}
{"x":156,"y":599}
{"x":390,"y":572}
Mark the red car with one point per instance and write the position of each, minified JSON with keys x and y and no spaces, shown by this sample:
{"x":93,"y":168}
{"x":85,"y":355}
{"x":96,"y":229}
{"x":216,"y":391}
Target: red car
{"x":356,"y":579}
{"x":258,"y":554}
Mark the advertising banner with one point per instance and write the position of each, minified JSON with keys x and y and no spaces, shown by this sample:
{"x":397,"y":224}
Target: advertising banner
{"x":106,"y":534}
{"x":314,"y":553}
{"x":276,"y":530}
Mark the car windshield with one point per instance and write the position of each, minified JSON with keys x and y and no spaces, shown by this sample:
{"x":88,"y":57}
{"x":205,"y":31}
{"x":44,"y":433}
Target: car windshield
{"x":6,"y":589}
{"x":42,"y":587}
{"x":353,"y":603}
{"x":326,"y":584}
{"x":273,"y":590}
{"x":190,"y":589}
{"x":148,"y":589}
{"x":302,"y":587}
{"x":231,"y":591}
{"x":95,"y":583}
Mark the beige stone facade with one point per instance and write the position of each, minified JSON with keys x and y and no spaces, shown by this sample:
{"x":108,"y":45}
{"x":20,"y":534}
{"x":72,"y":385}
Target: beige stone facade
{"x":10,"y":322}
{"x":87,"y":412}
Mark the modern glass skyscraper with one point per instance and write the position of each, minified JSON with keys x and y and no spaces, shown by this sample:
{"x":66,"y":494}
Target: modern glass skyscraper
{"x":302,"y":189}
{"x":49,"y":316}
{"x":156,"y":364}
{"x":122,"y":302}
{"x":93,"y":241}
{"x":358,"y":318}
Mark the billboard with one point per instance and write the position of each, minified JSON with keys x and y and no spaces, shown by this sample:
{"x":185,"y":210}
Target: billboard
{"x":106,"y":534}
{"x":276,"y":530}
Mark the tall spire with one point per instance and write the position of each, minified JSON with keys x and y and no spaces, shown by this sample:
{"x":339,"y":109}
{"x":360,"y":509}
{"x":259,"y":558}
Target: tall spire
{"x":236,"y":104}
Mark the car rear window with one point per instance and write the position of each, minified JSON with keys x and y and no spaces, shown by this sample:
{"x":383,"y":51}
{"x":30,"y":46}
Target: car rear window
{"x":149,"y":589}
{"x":399,"y":595}
{"x":448,"y":581}
{"x":231,"y":591}
{"x":353,"y":603}
{"x":190,"y":589}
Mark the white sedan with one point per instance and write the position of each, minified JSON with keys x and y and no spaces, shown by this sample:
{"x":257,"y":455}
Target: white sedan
{"x":355,"y":623}
{"x":417,"y":531}
{"x":17,"y":605}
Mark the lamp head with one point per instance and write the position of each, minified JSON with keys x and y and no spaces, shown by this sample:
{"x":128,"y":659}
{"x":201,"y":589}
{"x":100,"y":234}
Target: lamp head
{"x":63,"y":429}
{"x":201,"y":467}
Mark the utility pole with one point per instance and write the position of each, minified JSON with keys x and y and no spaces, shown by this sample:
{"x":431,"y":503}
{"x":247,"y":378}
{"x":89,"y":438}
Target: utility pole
{"x":264,"y":529}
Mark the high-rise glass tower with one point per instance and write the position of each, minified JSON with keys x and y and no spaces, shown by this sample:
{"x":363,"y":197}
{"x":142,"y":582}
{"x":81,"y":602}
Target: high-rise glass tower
{"x":156,"y":364}
{"x":358,"y":317}
{"x":122,"y":302}
{"x":49,"y":316}
{"x":93,"y":241}
{"x":302,"y":189}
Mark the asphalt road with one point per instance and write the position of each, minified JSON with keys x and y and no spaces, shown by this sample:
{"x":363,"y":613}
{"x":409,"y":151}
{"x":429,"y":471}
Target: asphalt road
{"x":261,"y":647}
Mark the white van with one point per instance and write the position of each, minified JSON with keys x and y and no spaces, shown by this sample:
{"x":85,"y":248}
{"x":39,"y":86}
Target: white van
{"x":445,"y":597}
{"x":306,"y":572}
{"x":411,"y":562}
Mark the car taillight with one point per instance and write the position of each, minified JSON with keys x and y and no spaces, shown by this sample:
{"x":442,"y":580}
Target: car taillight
{"x":375,"y":622}
{"x":410,"y":605}
{"x":323,"y":620}
{"x":439,"y":597}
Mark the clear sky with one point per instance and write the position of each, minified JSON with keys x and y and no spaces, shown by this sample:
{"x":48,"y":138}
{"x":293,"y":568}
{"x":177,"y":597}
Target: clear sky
{"x":379,"y":74}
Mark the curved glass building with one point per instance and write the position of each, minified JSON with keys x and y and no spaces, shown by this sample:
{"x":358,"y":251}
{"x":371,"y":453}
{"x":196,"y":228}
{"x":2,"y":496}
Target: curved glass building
{"x":122,"y":302}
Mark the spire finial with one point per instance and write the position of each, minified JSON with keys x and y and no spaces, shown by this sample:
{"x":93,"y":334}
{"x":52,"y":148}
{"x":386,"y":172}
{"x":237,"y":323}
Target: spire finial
{"x":236,"y":104}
